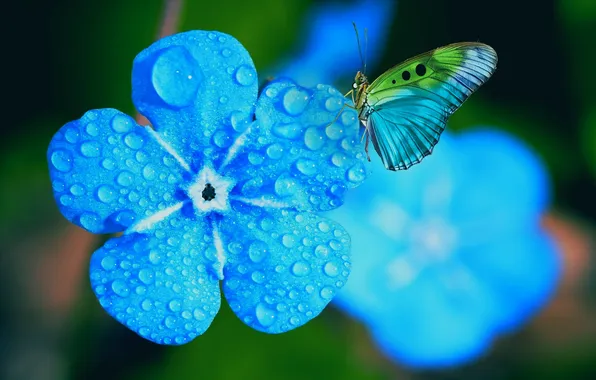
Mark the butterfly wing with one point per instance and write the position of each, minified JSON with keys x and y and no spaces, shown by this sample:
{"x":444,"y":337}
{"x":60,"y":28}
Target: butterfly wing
{"x":408,"y":106}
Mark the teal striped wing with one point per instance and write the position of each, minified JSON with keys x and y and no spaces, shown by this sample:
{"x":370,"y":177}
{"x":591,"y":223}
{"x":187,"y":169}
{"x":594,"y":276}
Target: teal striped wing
{"x":408,"y":106}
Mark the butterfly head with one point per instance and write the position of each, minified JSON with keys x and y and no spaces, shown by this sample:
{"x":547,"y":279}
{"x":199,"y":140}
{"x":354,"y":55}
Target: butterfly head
{"x":359,"y":80}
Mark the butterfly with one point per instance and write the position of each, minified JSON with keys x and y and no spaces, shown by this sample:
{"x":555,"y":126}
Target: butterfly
{"x":405,"y":110}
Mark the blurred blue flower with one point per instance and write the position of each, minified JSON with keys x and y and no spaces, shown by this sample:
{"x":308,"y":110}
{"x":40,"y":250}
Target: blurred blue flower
{"x":449,"y":253}
{"x":223,"y":187}
{"x":330,"y":50}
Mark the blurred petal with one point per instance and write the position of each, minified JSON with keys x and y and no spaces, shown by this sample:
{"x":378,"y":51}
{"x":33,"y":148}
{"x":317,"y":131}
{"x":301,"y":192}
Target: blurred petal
{"x":107,"y":172}
{"x":295,"y":156}
{"x":161,"y":284}
{"x":296,"y":263}
{"x":197,"y":88}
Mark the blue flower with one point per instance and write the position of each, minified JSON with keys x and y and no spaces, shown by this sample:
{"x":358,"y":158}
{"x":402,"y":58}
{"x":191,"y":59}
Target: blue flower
{"x":224,"y":186}
{"x":449,"y":253}
{"x":330,"y":51}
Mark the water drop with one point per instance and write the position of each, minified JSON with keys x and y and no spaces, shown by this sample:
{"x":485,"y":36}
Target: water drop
{"x":61,"y":160}
{"x":226,"y":52}
{"x":106,"y":193}
{"x":66,"y":200}
{"x":170,"y":322}
{"x":333,"y":104}
{"x":321,"y":251}
{"x":287,"y":131}
{"x":258,"y":251}
{"x":149,"y":172}
{"x":92,"y":130}
{"x":154,"y":257}
{"x":294,"y":320}
{"x":120,"y":288}
{"x":258,"y":277}
{"x":72,"y":135}
{"x":90,"y":149}
{"x":331,"y":269}
{"x":327,"y":293}
{"x":255,"y":158}
{"x":275,"y":151}
{"x":125,"y":178}
{"x":246,"y":75}
{"x":288,"y":240}
{"x":239,"y":120}
{"x":122,"y":123}
{"x":108,"y":164}
{"x":314,"y":139}
{"x":77,"y":189}
{"x":199,"y":314}
{"x":295,"y":101}
{"x":265,"y":316}
{"x":174,"y":305}
{"x":89,"y":221}
{"x":285,"y":186}
{"x":271,"y":92}
{"x":300,"y":269}
{"x":357,"y":173}
{"x":134,"y":141}
{"x":348,"y":118}
{"x":334,"y":132}
{"x":176,"y":77}
{"x":339,"y":159}
{"x":222,"y":139}
{"x":108,"y":263}
{"x":306,"y":166}
{"x":146,"y":276}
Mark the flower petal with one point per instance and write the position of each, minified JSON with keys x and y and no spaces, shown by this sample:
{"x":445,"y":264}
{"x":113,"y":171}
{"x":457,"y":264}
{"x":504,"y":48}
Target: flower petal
{"x":108,"y":172}
{"x":283,"y":269}
{"x":522,"y":271}
{"x":160,"y":285}
{"x":294,"y":154}
{"x":198,"y":89}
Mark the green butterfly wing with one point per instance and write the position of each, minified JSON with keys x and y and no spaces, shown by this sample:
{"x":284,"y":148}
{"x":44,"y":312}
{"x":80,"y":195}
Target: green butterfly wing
{"x":408,"y":106}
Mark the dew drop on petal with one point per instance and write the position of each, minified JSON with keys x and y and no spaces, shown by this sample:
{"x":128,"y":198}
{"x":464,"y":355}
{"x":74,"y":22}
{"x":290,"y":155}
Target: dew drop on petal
{"x":333,"y":104}
{"x":275,"y":151}
{"x":122,"y":123}
{"x":300,"y":269}
{"x":285,"y":186}
{"x":331,"y":269}
{"x":327,"y":293}
{"x":89,"y":221}
{"x":146,"y":276}
{"x":125,"y":178}
{"x":313,"y":138}
{"x":295,"y":101}
{"x":265,"y":316}
{"x":287,"y":131}
{"x":134,"y":140}
{"x":306,"y":166}
{"x":357,"y":173}
{"x":258,"y":251}
{"x":106,"y":193}
{"x":175,"y":76}
{"x":62,"y":160}
{"x":92,"y":130}
{"x":120,"y":288}
{"x":108,"y":263}
{"x":174,"y":305}
{"x":246,"y":75}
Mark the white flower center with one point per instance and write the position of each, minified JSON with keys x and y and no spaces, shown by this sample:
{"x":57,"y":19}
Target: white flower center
{"x":210,"y":191}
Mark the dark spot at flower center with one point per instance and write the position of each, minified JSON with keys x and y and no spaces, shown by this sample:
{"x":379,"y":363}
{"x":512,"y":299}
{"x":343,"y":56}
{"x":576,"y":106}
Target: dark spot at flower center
{"x":208,"y":192}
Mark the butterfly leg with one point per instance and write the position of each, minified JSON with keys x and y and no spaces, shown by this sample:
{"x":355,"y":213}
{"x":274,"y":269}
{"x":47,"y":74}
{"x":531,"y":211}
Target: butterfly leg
{"x":366,"y":146}
{"x":340,"y":112}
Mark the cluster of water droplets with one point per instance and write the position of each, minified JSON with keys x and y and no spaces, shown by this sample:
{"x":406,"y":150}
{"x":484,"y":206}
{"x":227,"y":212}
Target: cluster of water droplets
{"x":297,"y":263}
{"x":159,"y":285}
{"x":108,"y":172}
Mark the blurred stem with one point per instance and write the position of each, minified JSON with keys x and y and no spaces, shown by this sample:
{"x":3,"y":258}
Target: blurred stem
{"x":170,"y":19}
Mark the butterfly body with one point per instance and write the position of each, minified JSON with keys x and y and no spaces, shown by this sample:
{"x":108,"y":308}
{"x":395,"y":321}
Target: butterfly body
{"x":405,"y":110}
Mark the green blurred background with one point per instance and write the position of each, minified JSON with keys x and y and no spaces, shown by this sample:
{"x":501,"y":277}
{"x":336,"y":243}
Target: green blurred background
{"x":61,"y":58}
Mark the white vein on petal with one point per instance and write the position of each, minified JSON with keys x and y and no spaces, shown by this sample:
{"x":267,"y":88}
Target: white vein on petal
{"x":168,"y":148}
{"x":235,"y":148}
{"x":147,"y":223}
{"x":261,"y":202}
{"x":219,"y":248}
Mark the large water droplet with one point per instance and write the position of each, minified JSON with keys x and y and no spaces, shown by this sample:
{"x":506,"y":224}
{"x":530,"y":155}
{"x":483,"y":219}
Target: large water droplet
{"x":246,"y":75}
{"x":176,"y":77}
{"x":314,"y":138}
{"x":285,"y":186}
{"x":108,"y":263}
{"x":77,"y":189}
{"x":120,"y":288}
{"x":62,"y":160}
{"x":258,"y":251}
{"x":275,"y":151}
{"x":294,"y":320}
{"x":125,"y":178}
{"x":327,"y":293}
{"x":222,"y":139}
{"x":72,"y":135}
{"x":306,"y":166}
{"x":146,"y":304}
{"x":90,"y":149}
{"x":175,"y":305}
{"x":122,"y":123}
{"x":199,"y":314}
{"x":134,"y":140}
{"x":149,"y":172}
{"x":288,"y":240}
{"x":334,"y":131}
{"x":331,"y":269}
{"x":265,"y":316}
{"x":333,"y":104}
{"x":146,"y":276}
{"x":239,"y":120}
{"x":300,"y":269}
{"x":90,"y":221}
{"x":92,"y":130}
{"x":339,"y":159}
{"x":295,"y":101}
{"x":357,"y":173}
{"x":170,"y":322}
{"x":258,"y":277}
{"x":106,"y":193}
{"x":287,"y":131}
{"x":108,"y":164}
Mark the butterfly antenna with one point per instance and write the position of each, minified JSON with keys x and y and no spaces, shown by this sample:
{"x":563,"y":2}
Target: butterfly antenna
{"x":365,"y":49}
{"x":359,"y":47}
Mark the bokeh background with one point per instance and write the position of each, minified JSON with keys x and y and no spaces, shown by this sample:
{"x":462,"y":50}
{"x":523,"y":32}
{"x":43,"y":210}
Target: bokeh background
{"x":62,"y":58}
